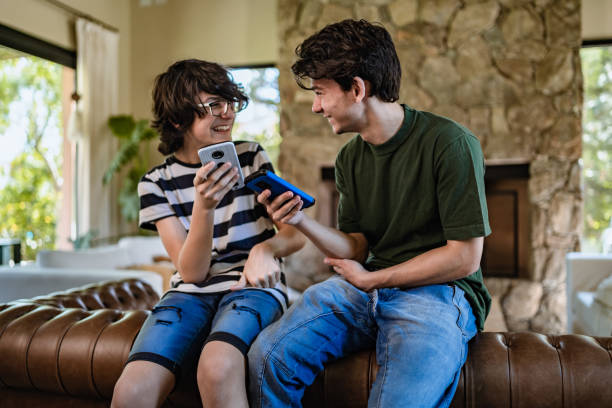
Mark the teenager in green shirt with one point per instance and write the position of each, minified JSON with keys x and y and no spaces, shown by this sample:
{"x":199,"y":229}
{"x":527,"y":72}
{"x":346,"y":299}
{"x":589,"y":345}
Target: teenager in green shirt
{"x":412,"y":220}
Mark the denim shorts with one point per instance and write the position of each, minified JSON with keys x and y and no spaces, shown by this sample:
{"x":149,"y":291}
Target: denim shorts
{"x":182,"y":323}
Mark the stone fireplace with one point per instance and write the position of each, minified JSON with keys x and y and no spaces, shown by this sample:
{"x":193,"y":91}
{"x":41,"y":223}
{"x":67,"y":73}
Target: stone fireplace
{"x":507,"y":69}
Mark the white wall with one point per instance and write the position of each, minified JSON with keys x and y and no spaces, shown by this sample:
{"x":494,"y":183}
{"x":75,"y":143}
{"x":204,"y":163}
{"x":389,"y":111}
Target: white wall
{"x":596,"y":19}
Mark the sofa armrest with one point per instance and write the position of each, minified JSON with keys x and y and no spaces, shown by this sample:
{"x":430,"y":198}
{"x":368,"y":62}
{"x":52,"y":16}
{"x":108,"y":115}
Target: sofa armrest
{"x":73,"y":342}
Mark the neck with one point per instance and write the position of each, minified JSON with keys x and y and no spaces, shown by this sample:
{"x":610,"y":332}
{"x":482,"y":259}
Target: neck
{"x":382,"y":121}
{"x":187,"y":153}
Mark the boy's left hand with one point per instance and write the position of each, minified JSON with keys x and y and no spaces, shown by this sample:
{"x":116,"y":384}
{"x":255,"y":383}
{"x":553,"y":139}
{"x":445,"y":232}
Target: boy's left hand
{"x":261,"y":270}
{"x":352,"y":271}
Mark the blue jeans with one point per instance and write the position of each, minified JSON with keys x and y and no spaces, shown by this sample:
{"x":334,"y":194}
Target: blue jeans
{"x":420,"y":335}
{"x":181,"y":323}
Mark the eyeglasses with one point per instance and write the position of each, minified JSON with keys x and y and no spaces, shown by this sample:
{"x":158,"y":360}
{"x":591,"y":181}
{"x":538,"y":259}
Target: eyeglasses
{"x":219,"y":107}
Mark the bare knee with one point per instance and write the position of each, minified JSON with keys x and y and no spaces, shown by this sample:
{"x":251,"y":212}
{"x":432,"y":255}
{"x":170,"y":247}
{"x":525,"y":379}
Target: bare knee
{"x":125,"y":393}
{"x":219,"y":364}
{"x":142,"y":384}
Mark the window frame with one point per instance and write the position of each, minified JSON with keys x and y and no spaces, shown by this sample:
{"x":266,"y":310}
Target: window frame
{"x":31,"y":45}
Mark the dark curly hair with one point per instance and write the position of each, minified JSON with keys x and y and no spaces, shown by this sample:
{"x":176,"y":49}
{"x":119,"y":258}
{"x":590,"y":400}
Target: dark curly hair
{"x":176,"y":95}
{"x":350,"y":48}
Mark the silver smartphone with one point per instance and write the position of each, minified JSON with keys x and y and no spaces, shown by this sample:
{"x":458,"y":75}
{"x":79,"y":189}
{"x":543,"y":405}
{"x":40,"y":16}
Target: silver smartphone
{"x":221,"y":153}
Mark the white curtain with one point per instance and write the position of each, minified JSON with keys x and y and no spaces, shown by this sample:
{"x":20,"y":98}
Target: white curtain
{"x":98,"y":87}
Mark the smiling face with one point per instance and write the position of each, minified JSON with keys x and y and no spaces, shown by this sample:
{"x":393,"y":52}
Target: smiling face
{"x":335,"y":104}
{"x":208,"y":129}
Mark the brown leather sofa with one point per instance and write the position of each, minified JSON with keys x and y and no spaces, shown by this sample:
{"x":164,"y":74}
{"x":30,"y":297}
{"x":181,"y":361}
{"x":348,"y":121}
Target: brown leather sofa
{"x":68,"y":350}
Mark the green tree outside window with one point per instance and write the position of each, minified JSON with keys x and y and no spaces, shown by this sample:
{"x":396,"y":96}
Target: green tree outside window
{"x":31,"y":180}
{"x":597,"y":144}
{"x":259,"y":121}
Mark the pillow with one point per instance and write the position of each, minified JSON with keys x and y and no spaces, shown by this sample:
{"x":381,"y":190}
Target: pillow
{"x":603,"y":294}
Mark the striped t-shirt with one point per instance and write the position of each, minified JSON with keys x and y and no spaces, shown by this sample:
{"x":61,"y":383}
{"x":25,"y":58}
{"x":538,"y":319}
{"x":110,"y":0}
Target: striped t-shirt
{"x":240,"y":221}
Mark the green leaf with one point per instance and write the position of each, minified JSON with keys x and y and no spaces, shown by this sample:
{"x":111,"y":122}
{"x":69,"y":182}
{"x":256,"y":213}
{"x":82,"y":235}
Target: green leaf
{"x":149,"y":134}
{"x":129,"y":200}
{"x":122,"y":126}
{"x":132,"y":133}
{"x":126,"y":153}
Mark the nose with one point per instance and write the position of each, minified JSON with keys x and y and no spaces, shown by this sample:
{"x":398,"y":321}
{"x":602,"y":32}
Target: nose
{"x":229,"y":113}
{"x":316,"y":105}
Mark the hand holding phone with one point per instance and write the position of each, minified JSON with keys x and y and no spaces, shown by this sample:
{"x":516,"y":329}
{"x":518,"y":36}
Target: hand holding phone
{"x":266,"y":180}
{"x":221,"y":153}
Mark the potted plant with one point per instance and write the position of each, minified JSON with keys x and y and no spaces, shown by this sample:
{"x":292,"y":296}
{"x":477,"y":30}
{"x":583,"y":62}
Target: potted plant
{"x":131,"y":135}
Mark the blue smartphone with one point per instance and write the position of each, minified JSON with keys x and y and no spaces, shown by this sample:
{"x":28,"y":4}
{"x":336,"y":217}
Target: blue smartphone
{"x":265,"y":179}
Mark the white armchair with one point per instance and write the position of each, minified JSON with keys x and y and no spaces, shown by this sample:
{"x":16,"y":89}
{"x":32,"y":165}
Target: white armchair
{"x":135,"y":253}
{"x":128,"y":251}
{"x":589,"y":293}
{"x":21,"y":282}
{"x":110,"y":256}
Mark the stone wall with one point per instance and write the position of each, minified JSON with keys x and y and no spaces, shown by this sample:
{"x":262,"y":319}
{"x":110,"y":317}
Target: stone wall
{"x":507,"y":69}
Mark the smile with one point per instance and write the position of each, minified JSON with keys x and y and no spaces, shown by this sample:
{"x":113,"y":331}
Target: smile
{"x":223,"y":128}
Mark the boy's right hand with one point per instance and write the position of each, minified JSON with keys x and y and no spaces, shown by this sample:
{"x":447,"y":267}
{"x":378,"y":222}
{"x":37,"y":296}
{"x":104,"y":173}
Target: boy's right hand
{"x":211,"y":186}
{"x":285,"y":208}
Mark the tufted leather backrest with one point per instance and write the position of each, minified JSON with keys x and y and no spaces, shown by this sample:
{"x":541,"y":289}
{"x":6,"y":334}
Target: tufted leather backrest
{"x":502,"y":370}
{"x":125,"y":294}
{"x":72,"y":342}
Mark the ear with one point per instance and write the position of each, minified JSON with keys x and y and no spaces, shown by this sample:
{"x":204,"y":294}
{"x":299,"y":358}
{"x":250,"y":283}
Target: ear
{"x":176,"y":125}
{"x":359,"y":88}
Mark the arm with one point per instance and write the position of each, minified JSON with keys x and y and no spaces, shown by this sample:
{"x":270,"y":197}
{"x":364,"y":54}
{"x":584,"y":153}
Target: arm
{"x":261,"y":268}
{"x":330,"y":241}
{"x":191,"y":252}
{"x":287,"y":241}
{"x":455,"y":260}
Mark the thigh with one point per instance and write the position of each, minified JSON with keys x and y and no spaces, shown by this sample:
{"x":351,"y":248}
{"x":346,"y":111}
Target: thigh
{"x":431,"y":310}
{"x":421,"y":345}
{"x":242,"y":315}
{"x":329,"y":321}
{"x":173,"y":329}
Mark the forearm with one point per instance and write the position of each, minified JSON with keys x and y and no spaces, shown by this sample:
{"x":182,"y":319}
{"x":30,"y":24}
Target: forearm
{"x":455,"y":260}
{"x":285,"y":242}
{"x":332,"y":242}
{"x":195,"y":254}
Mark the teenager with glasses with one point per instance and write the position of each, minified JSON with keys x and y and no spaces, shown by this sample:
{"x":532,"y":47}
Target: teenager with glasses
{"x":229,"y":283}
{"x":411,"y":220}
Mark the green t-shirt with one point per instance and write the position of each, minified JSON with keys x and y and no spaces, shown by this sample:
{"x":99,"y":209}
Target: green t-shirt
{"x":411,"y":194}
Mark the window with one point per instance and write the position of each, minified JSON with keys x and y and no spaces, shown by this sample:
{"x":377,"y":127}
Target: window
{"x":597,"y":142}
{"x":35,"y":157}
{"x":259,"y":121}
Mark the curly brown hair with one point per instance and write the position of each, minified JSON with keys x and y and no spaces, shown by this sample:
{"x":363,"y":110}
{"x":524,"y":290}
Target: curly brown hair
{"x":176,"y":95}
{"x":350,"y":48}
